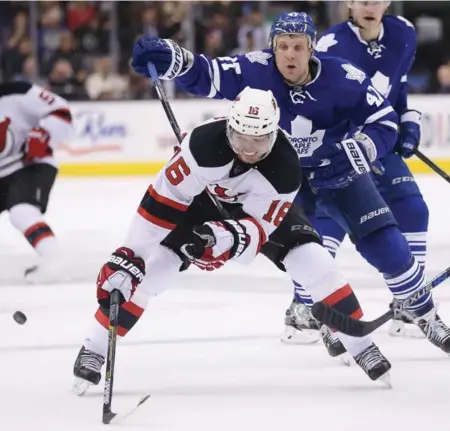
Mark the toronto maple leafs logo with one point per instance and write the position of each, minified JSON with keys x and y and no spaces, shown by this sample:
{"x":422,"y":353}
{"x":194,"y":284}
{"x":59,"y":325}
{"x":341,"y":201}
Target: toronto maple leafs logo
{"x":353,"y":73}
{"x":381,"y":82}
{"x":326,"y":42}
{"x":259,"y":57}
{"x":305,"y":138}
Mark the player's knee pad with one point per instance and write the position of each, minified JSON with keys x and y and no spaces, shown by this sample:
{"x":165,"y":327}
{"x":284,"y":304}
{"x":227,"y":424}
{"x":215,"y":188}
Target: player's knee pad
{"x":386,"y":249}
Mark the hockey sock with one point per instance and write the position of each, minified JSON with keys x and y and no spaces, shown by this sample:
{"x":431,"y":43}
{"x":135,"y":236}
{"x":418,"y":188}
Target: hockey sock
{"x":317,"y":270}
{"x":388,"y":251}
{"x":28,"y":220}
{"x":412,"y":216}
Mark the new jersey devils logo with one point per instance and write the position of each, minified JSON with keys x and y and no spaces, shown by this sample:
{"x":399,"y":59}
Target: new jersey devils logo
{"x":221,"y":193}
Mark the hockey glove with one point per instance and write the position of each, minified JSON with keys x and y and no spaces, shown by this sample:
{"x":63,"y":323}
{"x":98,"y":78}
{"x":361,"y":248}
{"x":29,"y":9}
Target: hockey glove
{"x":336,"y":166}
{"x":124,"y":271}
{"x":169,"y":58}
{"x":214,"y":243}
{"x":37,"y":145}
{"x":409,"y":136}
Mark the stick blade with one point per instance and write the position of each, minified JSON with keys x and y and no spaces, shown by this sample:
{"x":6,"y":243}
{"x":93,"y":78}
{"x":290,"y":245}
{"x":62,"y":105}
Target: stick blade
{"x":108,"y":416}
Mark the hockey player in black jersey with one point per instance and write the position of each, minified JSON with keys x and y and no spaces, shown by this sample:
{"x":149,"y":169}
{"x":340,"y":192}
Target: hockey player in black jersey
{"x":248,"y":163}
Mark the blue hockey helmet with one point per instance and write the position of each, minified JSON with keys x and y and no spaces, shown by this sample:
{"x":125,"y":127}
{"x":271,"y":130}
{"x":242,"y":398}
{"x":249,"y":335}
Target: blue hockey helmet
{"x":293,"y":23}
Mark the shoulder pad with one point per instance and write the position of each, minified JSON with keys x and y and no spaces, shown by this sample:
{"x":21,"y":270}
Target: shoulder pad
{"x":14,"y":87}
{"x":208,"y":144}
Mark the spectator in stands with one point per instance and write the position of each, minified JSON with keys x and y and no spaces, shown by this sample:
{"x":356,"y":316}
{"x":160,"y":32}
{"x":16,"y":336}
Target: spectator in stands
{"x":14,"y":56}
{"x":92,"y":39}
{"x":66,"y":51}
{"x":52,"y":25}
{"x":104,"y":84}
{"x":80,"y":14}
{"x":443,"y":78}
{"x":63,"y":81}
{"x":30,"y":73}
{"x":254,"y":24}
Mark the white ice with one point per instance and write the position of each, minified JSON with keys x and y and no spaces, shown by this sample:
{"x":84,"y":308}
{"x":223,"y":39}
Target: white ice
{"x":208,"y":349}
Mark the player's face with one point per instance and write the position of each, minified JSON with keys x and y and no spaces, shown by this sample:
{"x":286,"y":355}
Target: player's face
{"x":292,"y":55}
{"x":249,"y":149}
{"x":368,"y":14}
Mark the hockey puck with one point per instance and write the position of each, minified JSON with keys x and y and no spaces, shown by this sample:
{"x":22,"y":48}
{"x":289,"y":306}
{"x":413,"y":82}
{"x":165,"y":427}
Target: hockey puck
{"x":19,"y":317}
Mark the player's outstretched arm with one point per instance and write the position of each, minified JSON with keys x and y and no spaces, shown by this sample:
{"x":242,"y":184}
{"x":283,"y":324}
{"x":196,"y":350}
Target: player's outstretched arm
{"x":219,"y":78}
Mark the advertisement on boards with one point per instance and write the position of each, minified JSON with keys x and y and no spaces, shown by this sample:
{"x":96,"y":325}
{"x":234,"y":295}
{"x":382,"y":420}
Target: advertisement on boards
{"x":135,"y":137}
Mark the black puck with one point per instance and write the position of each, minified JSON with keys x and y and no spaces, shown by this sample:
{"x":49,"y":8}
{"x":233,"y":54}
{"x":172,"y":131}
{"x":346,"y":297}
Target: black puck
{"x":19,"y":317}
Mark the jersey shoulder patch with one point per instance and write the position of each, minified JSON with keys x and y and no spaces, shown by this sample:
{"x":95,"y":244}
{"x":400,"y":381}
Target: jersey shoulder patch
{"x":353,"y":73}
{"x":209,"y":144}
{"x":14,"y":87}
{"x":261,"y":57}
{"x":282,"y":166}
{"x":326,"y":42}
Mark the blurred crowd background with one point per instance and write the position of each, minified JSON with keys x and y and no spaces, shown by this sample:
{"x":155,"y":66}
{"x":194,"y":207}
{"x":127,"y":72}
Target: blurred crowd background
{"x":81,"y":49}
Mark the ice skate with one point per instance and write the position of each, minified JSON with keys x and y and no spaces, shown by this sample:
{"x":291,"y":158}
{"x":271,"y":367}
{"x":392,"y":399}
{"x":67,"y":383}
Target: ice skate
{"x":301,"y":327}
{"x":374,"y":364}
{"x":402,"y":325}
{"x":334,"y":346}
{"x":87,"y":370}
{"x":435,"y":330}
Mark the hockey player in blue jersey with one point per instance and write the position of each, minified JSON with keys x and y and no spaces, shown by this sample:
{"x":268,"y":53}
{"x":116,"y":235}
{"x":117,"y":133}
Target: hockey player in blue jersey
{"x":340,"y":126}
{"x":384,"y":47}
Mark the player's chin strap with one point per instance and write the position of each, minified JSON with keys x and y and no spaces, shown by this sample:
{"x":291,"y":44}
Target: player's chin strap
{"x":173,"y":122}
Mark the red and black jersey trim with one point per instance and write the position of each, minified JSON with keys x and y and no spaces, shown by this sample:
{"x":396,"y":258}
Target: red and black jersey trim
{"x":37,"y":233}
{"x":344,"y":300}
{"x":160,"y":210}
{"x":129,"y":314}
{"x":63,"y":114}
{"x":262,"y":237}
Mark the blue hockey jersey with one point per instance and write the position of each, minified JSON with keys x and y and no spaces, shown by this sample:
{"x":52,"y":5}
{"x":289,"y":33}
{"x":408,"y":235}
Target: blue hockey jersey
{"x":387,"y":60}
{"x":338,"y":101}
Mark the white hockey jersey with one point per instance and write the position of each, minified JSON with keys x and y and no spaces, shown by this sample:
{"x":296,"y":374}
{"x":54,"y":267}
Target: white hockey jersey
{"x":24,"y":106}
{"x":205,"y":160}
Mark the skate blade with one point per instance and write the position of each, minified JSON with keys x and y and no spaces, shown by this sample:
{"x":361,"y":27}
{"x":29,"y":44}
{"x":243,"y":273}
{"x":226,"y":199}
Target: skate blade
{"x":292,"y":335}
{"x":385,"y":379}
{"x":345,"y":359}
{"x":400,"y":330}
{"x":80,"y":386}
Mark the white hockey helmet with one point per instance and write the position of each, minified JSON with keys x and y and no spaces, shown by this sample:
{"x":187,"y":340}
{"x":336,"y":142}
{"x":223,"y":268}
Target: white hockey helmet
{"x":252,"y":124}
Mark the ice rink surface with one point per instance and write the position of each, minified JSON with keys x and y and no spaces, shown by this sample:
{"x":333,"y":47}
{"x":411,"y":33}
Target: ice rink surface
{"x":208,"y":349}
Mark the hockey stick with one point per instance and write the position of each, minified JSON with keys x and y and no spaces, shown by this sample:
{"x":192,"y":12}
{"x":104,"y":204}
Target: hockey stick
{"x":432,"y":165}
{"x":109,"y":416}
{"x":333,"y":318}
{"x":173,"y":122}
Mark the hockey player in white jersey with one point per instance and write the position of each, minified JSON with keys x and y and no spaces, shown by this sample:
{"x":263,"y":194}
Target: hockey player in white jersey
{"x":248,"y":163}
{"x":33,"y":122}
